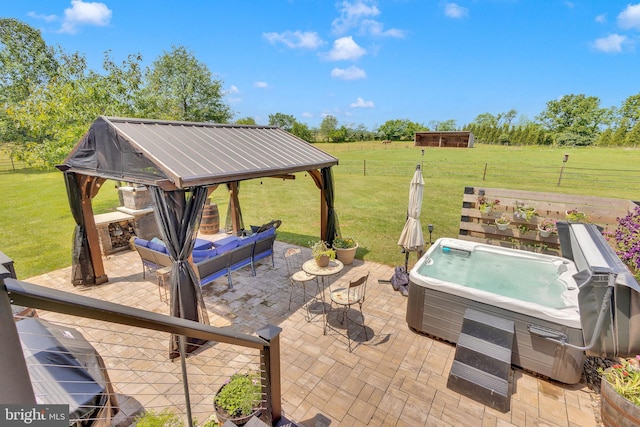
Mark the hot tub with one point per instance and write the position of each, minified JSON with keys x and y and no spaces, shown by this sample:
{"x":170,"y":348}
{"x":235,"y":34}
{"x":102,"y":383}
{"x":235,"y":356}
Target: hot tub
{"x":537,"y":292}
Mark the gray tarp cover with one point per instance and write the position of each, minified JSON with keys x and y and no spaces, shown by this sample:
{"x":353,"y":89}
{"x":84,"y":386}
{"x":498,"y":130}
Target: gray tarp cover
{"x":64,"y":367}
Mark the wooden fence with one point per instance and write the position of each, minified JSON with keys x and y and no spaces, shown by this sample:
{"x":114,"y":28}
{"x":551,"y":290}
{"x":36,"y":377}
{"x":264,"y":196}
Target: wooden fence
{"x":522,"y":233}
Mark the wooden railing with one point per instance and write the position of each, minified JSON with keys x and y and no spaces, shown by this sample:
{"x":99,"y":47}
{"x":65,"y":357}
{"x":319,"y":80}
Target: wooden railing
{"x":522,"y":234}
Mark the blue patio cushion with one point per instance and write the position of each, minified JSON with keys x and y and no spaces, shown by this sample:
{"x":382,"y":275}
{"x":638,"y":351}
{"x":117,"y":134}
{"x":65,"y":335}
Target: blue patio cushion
{"x":248,"y":240}
{"x":141,"y":242}
{"x":228,"y":246}
{"x":201,"y":255}
{"x":158,"y":247}
{"x":268,"y":233}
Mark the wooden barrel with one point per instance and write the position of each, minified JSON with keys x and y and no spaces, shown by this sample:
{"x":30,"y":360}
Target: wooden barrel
{"x":210,"y":223}
{"x":616,"y":411}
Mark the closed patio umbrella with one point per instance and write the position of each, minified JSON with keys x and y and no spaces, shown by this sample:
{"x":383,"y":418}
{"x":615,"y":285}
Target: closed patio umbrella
{"x":411,"y":238}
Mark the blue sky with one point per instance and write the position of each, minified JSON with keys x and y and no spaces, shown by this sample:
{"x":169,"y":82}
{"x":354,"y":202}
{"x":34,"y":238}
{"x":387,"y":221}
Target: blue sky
{"x":365,"y":61}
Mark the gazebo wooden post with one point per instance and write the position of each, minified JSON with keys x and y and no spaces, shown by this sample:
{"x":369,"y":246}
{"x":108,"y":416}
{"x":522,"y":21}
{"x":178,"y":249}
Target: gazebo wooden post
{"x":235,"y":218}
{"x":324,"y":209}
{"x":89,"y":187}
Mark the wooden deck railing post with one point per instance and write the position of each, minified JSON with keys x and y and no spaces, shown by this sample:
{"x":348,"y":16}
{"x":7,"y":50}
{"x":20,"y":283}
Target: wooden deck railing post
{"x":270,"y":356}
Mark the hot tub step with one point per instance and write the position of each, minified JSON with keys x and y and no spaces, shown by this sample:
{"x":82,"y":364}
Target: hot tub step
{"x":480,"y":386}
{"x":481,"y":368}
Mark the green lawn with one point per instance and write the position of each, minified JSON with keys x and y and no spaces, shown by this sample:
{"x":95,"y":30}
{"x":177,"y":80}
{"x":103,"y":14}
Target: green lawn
{"x":36,"y":225}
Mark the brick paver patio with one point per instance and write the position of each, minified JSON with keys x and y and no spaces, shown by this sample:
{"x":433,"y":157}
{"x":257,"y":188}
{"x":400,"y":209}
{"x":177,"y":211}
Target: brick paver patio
{"x":396,"y":377}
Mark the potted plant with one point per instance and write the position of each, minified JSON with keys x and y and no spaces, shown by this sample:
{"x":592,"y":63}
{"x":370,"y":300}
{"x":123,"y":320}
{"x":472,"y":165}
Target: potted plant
{"x":620,"y":391}
{"x":239,"y":398}
{"x":546,"y":227}
{"x":485,"y":205}
{"x":524,"y":211}
{"x":322,"y":253}
{"x":503,"y":222}
{"x":165,"y":418}
{"x":574,"y":215}
{"x":345,"y":248}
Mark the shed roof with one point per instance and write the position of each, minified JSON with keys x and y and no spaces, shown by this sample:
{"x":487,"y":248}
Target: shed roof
{"x":187,"y":154}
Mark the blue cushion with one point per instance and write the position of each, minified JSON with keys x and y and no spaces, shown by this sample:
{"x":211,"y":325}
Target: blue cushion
{"x":227,"y":247}
{"x":225,"y":240}
{"x":201,"y":255}
{"x":158,"y":247}
{"x":141,"y":242}
{"x":248,"y":240}
{"x":268,"y":233}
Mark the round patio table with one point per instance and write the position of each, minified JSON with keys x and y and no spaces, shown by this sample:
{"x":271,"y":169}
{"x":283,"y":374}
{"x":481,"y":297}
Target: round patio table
{"x":324,"y":273}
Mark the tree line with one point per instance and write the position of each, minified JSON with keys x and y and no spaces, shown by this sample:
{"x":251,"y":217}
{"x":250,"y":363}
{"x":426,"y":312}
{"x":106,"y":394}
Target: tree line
{"x":50,"y":98}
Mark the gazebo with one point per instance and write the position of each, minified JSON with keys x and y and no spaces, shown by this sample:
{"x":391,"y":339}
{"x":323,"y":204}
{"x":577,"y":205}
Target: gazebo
{"x":181,"y":163}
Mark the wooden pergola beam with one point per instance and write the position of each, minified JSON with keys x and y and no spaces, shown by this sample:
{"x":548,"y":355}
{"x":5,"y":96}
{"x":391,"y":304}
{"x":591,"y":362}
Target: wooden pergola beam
{"x":89,"y":187}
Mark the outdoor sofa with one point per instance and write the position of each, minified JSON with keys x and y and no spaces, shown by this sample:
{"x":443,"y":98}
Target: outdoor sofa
{"x":223,"y":257}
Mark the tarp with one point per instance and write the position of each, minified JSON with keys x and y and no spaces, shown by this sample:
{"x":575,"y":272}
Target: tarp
{"x":66,"y":369}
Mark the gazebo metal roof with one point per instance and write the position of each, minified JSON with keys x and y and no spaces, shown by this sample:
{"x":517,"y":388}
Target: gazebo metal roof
{"x":174,"y":154}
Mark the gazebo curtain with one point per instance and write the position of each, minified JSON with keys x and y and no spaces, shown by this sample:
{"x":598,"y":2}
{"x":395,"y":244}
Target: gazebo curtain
{"x":81,"y":265}
{"x":333,"y":227}
{"x":178,"y":214}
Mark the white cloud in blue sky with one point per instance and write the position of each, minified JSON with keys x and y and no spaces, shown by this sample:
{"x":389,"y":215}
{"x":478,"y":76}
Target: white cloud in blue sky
{"x":361,"y":103}
{"x":611,"y":44}
{"x":454,"y":10}
{"x":352,"y":14}
{"x":85,"y":13}
{"x":295,"y":39}
{"x":629,"y":18}
{"x":344,"y":49}
{"x":349,"y":73}
{"x":261,"y":85}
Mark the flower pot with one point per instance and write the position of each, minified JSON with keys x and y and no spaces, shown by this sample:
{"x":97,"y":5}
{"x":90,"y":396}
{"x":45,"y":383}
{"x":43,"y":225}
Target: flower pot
{"x":485,"y":210}
{"x":502,"y":227}
{"x":544,"y":233}
{"x":616,"y":411}
{"x":346,"y":255}
{"x":322,"y":260}
{"x":223,"y":416}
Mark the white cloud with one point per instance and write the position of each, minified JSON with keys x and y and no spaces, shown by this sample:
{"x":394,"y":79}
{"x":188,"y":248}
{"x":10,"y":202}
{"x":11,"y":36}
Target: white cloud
{"x":361,"y":103}
{"x":234,"y":89}
{"x":610,"y":44}
{"x":601,"y":19}
{"x":295,"y":39}
{"x":85,"y":13}
{"x":453,"y":10}
{"x":345,"y":48}
{"x":45,"y":18}
{"x":351,"y":13}
{"x":376,"y":28}
{"x":262,"y":85}
{"x":307,"y":115}
{"x":630,"y":17}
{"x":350,"y":73}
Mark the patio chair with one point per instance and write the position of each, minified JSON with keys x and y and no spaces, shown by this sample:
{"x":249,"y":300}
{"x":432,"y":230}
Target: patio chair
{"x":297,"y":276}
{"x":345,"y":297}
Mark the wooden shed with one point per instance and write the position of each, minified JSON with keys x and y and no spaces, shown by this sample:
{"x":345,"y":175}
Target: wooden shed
{"x":456,"y":139}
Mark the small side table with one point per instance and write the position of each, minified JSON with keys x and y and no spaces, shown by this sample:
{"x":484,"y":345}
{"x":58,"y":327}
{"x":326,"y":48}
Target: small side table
{"x":162,"y":275}
{"x":324,"y":273}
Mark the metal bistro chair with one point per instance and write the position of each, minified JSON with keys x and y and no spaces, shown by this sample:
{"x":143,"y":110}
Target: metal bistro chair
{"x":345,"y":297}
{"x":297,"y":276}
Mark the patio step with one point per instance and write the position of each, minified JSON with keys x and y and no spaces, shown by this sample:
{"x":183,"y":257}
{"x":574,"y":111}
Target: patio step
{"x":481,"y":368}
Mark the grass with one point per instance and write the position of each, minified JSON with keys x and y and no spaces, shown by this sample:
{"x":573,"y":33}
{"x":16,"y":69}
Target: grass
{"x":36,"y":224}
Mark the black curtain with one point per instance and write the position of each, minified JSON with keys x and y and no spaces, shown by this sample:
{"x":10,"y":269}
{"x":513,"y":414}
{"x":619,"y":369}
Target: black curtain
{"x":81,"y":266}
{"x":178,"y":214}
{"x":333,"y":227}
